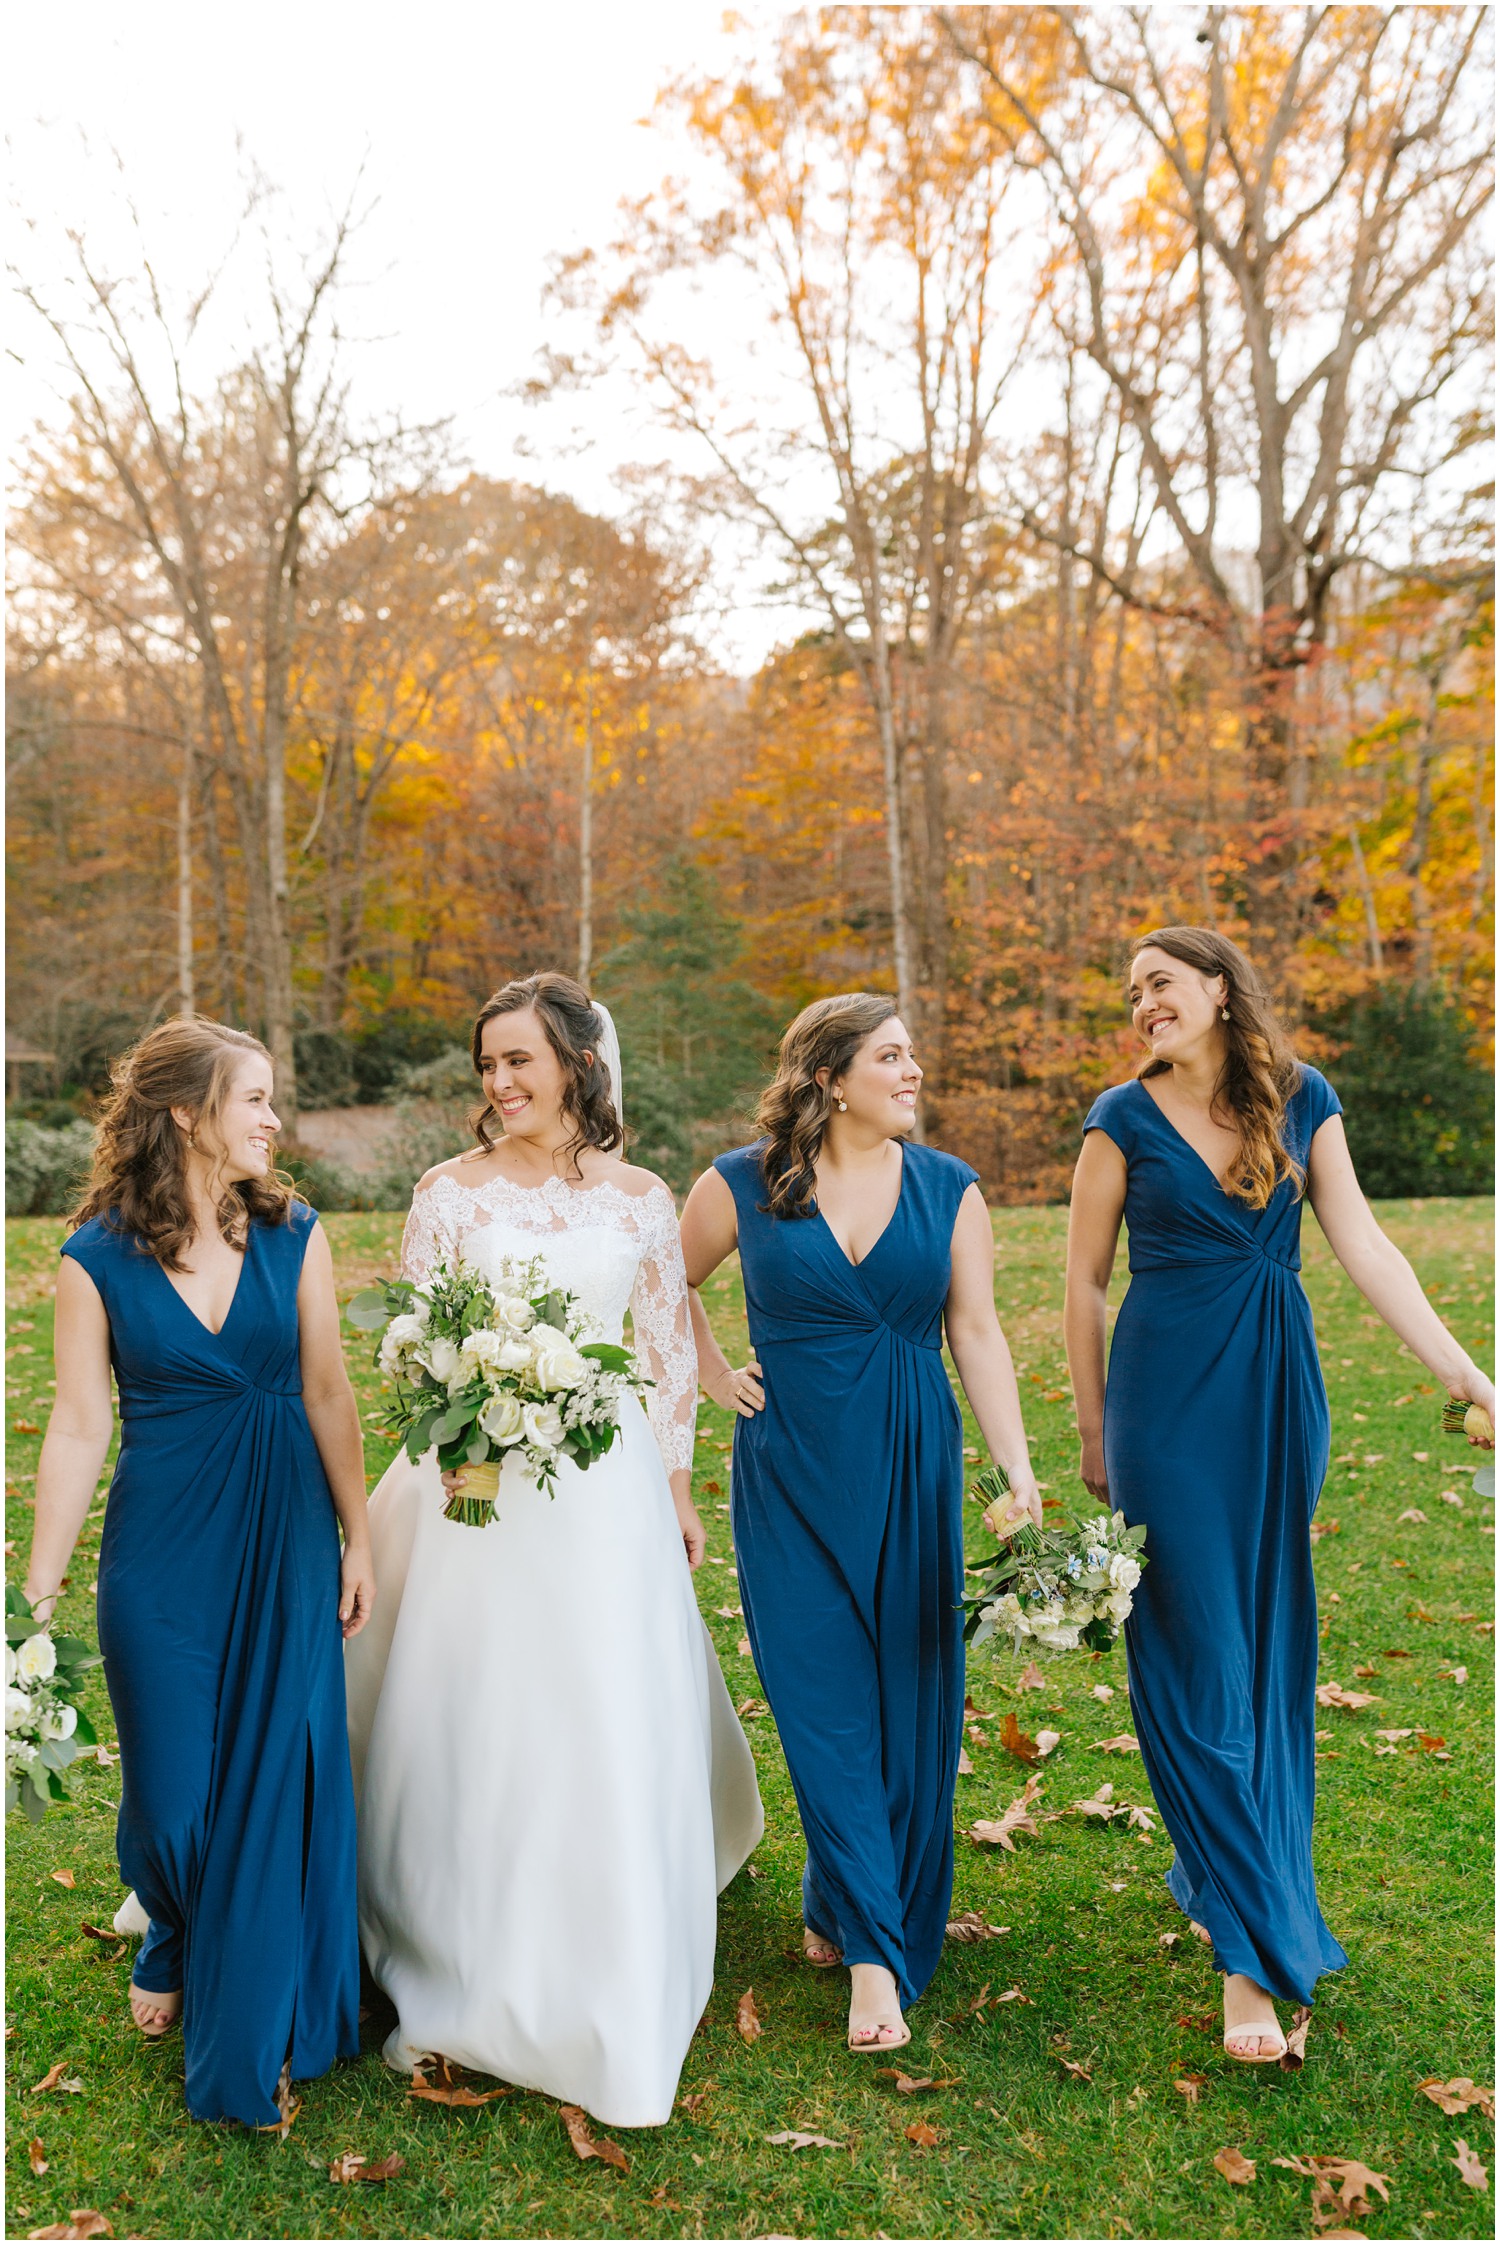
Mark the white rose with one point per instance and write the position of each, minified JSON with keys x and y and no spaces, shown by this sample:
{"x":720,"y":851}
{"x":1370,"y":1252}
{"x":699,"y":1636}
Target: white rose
{"x":19,"y":1755}
{"x":501,"y":1420}
{"x":560,"y":1368}
{"x":1124,"y":1571}
{"x":59,"y":1722}
{"x":1117,"y":1604}
{"x":421,"y":1306}
{"x":1058,"y":1638}
{"x":514,"y":1314}
{"x":440,"y":1357}
{"x":10,"y":1664}
{"x":17,"y":1708}
{"x":482,"y":1347}
{"x":514,"y":1355}
{"x":543,"y":1424}
{"x":36,"y":1659}
{"x":547,"y":1337}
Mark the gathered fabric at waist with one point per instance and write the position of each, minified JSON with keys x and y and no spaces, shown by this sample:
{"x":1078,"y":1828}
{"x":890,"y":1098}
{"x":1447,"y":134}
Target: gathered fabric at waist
{"x":842,"y":1332}
{"x":1142,"y":1262}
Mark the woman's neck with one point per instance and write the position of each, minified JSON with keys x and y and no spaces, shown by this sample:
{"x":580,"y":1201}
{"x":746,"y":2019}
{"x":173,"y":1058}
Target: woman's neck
{"x":204,"y":1204}
{"x":1196,"y":1078}
{"x":853,"y":1146}
{"x":554,"y":1154}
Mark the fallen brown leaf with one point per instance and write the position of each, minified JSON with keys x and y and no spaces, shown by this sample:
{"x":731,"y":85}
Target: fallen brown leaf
{"x":908,"y":2086}
{"x":1015,"y":1740}
{"x":1017,"y":1818}
{"x":748,"y":1709}
{"x":354,"y":2167}
{"x":965,"y":1766}
{"x":1430,"y":1742}
{"x":1101,"y":1803}
{"x":1123,"y":1744}
{"x":53,"y":2079}
{"x":798,"y":2139}
{"x":1046,"y":1740}
{"x":1395,"y":1652}
{"x":37,"y":2156}
{"x":1191,"y":2086}
{"x":1168,"y":1940}
{"x":1071,"y":2066}
{"x":1455,"y":1675}
{"x":454,"y":2093}
{"x":586,"y":2143}
{"x":696,"y":2099}
{"x":287,"y":2105}
{"x":1341,"y":2184}
{"x":1471,"y":2169}
{"x":972,"y":1927}
{"x":1415,"y":1514}
{"x":84,"y":2221}
{"x":1367,"y":1671}
{"x":1234,"y":2166}
{"x":922,"y":2134}
{"x":1334,"y":1695}
{"x":659,"y":2198}
{"x":747,"y":2018}
{"x":63,"y":1878}
{"x":1294,"y":2056}
{"x":1031,"y":1679}
{"x":1202,"y":2022}
{"x":1324,"y":1528}
{"x":1104,"y":1693}
{"x":1458,"y":2095}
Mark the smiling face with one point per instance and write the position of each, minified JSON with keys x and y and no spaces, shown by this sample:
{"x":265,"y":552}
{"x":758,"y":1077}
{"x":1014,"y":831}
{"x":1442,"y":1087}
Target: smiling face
{"x":523,"y":1079}
{"x":239,"y":1142}
{"x":1174,"y":1009}
{"x":880,"y":1084}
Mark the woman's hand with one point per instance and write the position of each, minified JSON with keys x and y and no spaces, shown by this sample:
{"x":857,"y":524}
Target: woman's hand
{"x":454,"y":1478}
{"x":739,"y":1391}
{"x":693,"y":1537}
{"x":356,"y":1588}
{"x":1091,"y":1467}
{"x":1022,"y":1502}
{"x":43,"y":1605}
{"x":1471,"y":1386}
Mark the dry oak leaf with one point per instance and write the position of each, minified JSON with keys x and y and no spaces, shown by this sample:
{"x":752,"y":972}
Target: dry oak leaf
{"x":1015,"y":1741}
{"x":909,"y":2085}
{"x":1123,"y":1744}
{"x":355,"y":2167}
{"x":1458,"y":2095}
{"x":37,"y":2156}
{"x":1168,"y":1940}
{"x":747,"y":2018}
{"x":1017,"y":1818}
{"x":1367,"y":1671}
{"x":1471,"y":2169}
{"x":799,"y":2139}
{"x":1456,"y":1675}
{"x":694,"y":2101}
{"x":1415,"y":1514}
{"x":53,"y":2079}
{"x":970,"y":1926}
{"x":1430,"y":1743}
{"x":748,"y":1709}
{"x":1031,"y":1679}
{"x":1234,"y":2166}
{"x":84,"y":2221}
{"x":63,"y":1878}
{"x":586,"y":2143}
{"x":1342,"y":2183}
{"x":922,"y":2134}
{"x":659,"y":2198}
{"x":1323,"y":1528}
{"x":1071,"y":2066}
{"x":1191,"y":2086}
{"x":1104,"y":1693}
{"x":1334,"y":1695}
{"x":1294,"y":2057}
{"x":450,"y":2092}
{"x":965,"y":1766}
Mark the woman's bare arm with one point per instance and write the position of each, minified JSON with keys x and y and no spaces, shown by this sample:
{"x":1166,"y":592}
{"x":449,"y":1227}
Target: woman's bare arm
{"x":78,"y":1432}
{"x":710,"y":1232}
{"x":333,"y":1415}
{"x":1094,"y":1219}
{"x":982,"y":1358}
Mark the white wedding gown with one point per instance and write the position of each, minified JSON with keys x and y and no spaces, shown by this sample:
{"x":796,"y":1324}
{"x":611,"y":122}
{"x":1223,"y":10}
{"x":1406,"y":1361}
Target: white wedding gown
{"x":552,"y":1783}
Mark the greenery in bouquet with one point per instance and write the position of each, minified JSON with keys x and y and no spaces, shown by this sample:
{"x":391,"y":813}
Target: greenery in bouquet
{"x":1062,"y":1587}
{"x":44,"y":1724}
{"x":485,"y":1368}
{"x":1473,"y":1420}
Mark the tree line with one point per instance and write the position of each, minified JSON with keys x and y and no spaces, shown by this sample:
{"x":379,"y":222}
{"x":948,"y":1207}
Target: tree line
{"x":1119,"y":419}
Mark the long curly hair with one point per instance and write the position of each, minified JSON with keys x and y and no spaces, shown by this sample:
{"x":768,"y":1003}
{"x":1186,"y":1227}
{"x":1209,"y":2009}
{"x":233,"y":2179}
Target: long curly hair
{"x":1260,"y":1068}
{"x":794,"y":1107}
{"x":138,"y":1182}
{"x":574,"y":1031}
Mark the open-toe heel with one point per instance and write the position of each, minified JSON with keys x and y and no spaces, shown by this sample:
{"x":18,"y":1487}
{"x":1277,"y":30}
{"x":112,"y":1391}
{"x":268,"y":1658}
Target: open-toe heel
{"x":829,"y":1957}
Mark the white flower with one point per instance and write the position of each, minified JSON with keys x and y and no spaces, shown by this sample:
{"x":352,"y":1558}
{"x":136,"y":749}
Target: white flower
{"x":478,"y":1348}
{"x":514,"y":1355}
{"x":10,"y":1664}
{"x":18,"y":1756}
{"x":440,"y":1357}
{"x":17,"y":1709}
{"x":421,"y":1307}
{"x":1124,"y":1571}
{"x":548,"y":1337}
{"x":543,"y":1424}
{"x":560,"y":1367}
{"x":501,"y":1420}
{"x":1118,"y":1604}
{"x":1057,"y":1637}
{"x":1098,"y":1560}
{"x":1006,"y":1612}
{"x":513,"y":1314}
{"x":36,"y":1659}
{"x":60,"y":1722}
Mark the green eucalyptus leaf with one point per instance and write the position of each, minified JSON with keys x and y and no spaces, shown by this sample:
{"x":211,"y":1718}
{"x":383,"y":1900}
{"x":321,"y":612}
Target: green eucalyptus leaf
{"x":367,"y":1311}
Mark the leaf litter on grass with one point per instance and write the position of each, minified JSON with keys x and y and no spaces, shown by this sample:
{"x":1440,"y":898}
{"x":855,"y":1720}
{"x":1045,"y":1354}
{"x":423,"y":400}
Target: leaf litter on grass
{"x":586,"y":2143}
{"x":1458,"y":2095}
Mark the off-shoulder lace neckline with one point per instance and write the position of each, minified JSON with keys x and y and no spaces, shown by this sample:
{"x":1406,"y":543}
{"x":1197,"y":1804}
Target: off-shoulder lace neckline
{"x":549,"y":1187}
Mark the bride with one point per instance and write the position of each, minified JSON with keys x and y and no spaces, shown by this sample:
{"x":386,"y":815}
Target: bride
{"x":552,"y":1784}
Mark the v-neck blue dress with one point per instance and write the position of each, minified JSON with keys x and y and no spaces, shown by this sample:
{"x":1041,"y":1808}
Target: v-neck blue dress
{"x":223,"y":1655}
{"x":1216,"y":1436}
{"x":848,"y":1535}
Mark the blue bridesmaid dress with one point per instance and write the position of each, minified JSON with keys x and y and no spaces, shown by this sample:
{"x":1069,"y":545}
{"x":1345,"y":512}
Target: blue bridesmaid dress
{"x":1216,"y":1435}
{"x":849,"y":1540}
{"x":218,"y":1622}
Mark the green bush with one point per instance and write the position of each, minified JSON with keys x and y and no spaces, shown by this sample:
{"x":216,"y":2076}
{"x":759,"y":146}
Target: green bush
{"x":325,"y":1068}
{"x":393,"y":1043}
{"x":45,"y":1169}
{"x":654,"y":1118}
{"x":449,"y":1077}
{"x":332,"y":1189}
{"x":1419,"y":1110}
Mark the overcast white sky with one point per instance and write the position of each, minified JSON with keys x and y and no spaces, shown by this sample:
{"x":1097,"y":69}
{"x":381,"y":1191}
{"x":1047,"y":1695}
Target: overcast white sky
{"x":492,"y":137}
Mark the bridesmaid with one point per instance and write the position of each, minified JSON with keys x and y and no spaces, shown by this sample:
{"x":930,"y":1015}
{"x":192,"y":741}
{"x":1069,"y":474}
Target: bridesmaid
{"x":1213,"y":1429}
{"x":196,"y":1275}
{"x":858,"y":1249}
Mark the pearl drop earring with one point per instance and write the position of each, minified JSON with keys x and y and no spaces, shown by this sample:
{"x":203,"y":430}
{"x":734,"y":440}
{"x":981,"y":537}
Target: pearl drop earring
{"x":1223,"y":1013}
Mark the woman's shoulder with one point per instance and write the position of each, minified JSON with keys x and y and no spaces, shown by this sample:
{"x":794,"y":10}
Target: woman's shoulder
{"x":99,"y":1240}
{"x":949,"y":1169}
{"x":1113,"y":1108}
{"x":1314,"y":1095}
{"x":635,"y":1183}
{"x":740,"y":1161}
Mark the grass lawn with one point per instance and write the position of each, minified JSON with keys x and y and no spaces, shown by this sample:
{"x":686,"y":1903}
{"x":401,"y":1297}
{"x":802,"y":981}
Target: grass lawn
{"x":1014,"y":2143}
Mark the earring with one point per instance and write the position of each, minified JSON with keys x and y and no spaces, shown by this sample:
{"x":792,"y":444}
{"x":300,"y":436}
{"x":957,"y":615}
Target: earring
{"x":1223,"y":1013}
{"x":843,"y":1106}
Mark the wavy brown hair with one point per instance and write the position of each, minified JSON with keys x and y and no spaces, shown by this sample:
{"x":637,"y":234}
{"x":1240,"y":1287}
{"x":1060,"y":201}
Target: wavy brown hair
{"x":138,"y":1182}
{"x":794,"y":1107}
{"x":1260,"y":1069}
{"x":574,"y":1031}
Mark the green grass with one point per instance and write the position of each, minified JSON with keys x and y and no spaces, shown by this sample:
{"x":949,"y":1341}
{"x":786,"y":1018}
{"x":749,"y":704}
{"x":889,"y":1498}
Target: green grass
{"x":1025,"y":2149}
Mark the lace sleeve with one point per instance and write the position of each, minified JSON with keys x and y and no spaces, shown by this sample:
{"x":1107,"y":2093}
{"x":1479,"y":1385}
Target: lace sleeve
{"x":429,"y":1236}
{"x":664,"y":1333}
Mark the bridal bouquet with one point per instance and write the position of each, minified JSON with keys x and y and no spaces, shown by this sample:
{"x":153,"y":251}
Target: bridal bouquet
{"x":44,"y":1724}
{"x":488,"y":1367}
{"x":1473,"y":1420}
{"x":1059,"y":1587}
